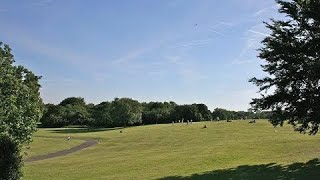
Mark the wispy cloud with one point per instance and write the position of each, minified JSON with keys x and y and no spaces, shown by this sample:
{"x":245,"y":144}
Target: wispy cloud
{"x":217,"y":32}
{"x":193,"y":43}
{"x":253,"y":37}
{"x":225,"y":23}
{"x":267,"y":11}
{"x":130,"y":55}
{"x":257,"y":32}
{"x":218,"y":26}
{"x":245,"y":61}
{"x":189,"y":74}
{"x":185,"y":68}
{"x":260,"y":12}
{"x":222,"y":23}
{"x":33,"y":44}
{"x":127,"y":57}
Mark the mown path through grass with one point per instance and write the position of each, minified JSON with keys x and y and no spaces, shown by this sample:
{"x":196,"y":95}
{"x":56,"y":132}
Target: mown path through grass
{"x":84,"y":145}
{"x":236,"y":150}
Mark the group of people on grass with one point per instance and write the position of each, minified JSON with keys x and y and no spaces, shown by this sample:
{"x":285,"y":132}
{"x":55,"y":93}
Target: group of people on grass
{"x":182,"y":121}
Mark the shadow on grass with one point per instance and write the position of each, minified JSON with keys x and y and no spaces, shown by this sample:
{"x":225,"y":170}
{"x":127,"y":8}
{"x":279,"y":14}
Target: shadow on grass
{"x":83,"y":130}
{"x":308,"y":170}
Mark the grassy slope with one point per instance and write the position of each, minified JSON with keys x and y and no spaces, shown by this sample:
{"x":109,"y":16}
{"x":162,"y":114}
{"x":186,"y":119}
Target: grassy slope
{"x":44,"y":145}
{"x":151,"y":152}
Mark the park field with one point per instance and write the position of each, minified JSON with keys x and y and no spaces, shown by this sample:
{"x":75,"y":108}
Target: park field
{"x":236,"y":150}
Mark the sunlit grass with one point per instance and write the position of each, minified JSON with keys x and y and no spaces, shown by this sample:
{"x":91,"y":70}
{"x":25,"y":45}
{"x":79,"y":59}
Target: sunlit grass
{"x":44,"y":145}
{"x":157,"y":151}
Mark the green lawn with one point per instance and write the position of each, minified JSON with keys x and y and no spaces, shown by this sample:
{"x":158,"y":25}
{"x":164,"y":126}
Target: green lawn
{"x":237,"y":150}
{"x":45,"y":145}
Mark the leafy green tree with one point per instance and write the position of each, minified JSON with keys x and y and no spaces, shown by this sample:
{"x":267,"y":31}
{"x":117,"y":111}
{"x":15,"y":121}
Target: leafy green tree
{"x":77,"y":114}
{"x":223,"y":114}
{"x":158,"y":112}
{"x":75,"y":101}
{"x":54,"y":116}
{"x":187,"y":112}
{"x":204,"y":111}
{"x":126,"y":111}
{"x":71,"y":110}
{"x":20,"y":108}
{"x":101,"y":115}
{"x":291,"y":55}
{"x":76,"y":111}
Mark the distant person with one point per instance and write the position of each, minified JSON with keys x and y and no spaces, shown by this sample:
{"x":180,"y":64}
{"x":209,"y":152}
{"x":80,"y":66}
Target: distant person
{"x":191,"y":121}
{"x":187,"y":122}
{"x":179,"y":121}
{"x":69,"y":138}
{"x":253,"y":121}
{"x":172,"y":123}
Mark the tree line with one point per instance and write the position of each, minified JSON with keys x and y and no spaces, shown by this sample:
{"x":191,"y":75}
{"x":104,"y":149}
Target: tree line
{"x":128,"y":112}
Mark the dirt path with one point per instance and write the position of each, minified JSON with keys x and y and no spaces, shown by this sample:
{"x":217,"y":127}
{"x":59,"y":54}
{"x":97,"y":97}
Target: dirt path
{"x":84,"y":145}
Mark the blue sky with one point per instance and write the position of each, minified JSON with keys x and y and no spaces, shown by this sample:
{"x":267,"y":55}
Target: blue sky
{"x":187,"y":51}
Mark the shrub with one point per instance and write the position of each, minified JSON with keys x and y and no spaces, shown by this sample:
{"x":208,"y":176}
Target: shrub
{"x":10,"y":159}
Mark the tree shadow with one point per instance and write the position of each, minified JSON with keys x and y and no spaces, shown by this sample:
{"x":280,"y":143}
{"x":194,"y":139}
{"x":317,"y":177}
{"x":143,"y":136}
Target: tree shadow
{"x":309,"y":170}
{"x":82,"y":130}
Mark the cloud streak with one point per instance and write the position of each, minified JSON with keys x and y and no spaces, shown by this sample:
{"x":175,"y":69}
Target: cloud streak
{"x":193,"y":43}
{"x":186,"y":69}
{"x":254,"y":35}
{"x":217,"y":32}
{"x":130,"y":56}
{"x":239,"y":62}
{"x":260,"y":12}
{"x":33,"y":44}
{"x":222,"y":23}
{"x":259,"y":33}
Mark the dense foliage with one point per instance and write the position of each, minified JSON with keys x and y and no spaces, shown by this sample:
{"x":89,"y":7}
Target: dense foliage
{"x":20,"y":102}
{"x":122,"y":112}
{"x":10,"y":159}
{"x":20,"y":111}
{"x":292,"y":60}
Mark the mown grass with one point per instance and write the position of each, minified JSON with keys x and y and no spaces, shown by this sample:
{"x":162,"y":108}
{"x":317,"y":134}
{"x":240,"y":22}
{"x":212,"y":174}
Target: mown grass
{"x":45,"y":145}
{"x":238,"y":149}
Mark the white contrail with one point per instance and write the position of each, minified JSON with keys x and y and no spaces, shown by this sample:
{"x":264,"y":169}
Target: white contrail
{"x":257,"y":32}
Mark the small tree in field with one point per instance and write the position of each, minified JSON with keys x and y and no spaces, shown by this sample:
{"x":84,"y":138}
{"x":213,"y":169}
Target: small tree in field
{"x":292,"y":56}
{"x":20,"y":110}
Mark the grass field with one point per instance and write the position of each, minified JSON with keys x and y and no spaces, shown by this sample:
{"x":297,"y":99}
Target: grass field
{"x":45,"y":145}
{"x":236,"y":150}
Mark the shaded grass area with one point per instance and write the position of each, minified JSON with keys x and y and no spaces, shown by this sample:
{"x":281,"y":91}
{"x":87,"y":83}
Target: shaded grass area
{"x":181,"y":151}
{"x":309,"y":170}
{"x":82,"y":130}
